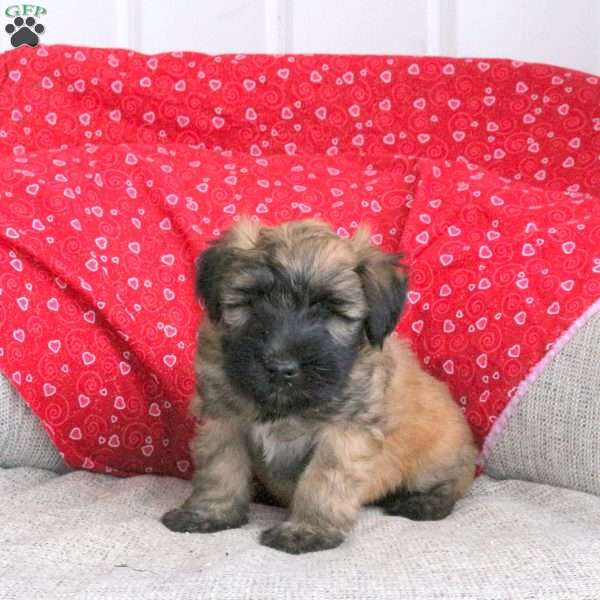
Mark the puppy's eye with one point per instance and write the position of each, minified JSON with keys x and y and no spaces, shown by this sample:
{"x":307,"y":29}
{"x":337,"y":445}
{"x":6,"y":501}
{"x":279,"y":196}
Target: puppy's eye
{"x":256,"y":297}
{"x":321,"y":308}
{"x":330,"y":308}
{"x":241,"y":304}
{"x":245,"y":298}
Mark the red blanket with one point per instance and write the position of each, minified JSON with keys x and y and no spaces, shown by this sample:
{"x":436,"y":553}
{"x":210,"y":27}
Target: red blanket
{"x":117,"y":168}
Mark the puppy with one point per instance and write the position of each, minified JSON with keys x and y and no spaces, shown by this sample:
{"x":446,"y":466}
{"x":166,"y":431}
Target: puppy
{"x":302,"y":391}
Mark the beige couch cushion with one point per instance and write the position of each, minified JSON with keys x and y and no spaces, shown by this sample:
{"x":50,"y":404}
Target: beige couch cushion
{"x":23,"y":439}
{"x":91,"y":537}
{"x":554,"y":434}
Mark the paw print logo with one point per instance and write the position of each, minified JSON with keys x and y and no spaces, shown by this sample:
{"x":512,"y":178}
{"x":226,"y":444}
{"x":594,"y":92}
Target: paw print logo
{"x":24,"y":31}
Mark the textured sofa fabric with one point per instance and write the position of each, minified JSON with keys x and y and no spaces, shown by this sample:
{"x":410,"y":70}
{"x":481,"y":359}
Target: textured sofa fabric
{"x":554,"y":434}
{"x":23,"y":440}
{"x":86,"y":536}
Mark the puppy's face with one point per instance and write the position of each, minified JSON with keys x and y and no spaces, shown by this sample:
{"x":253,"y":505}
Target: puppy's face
{"x":294,"y":305}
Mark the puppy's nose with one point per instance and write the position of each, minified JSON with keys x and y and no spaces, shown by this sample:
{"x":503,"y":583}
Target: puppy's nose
{"x":283,"y":368}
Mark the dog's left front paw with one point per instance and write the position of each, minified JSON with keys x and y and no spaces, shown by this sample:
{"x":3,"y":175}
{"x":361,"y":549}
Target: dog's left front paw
{"x":297,"y":538}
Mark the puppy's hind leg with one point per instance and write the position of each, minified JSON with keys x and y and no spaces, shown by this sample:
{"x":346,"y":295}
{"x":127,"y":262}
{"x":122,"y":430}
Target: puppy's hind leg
{"x":431,"y":494}
{"x":437,"y":503}
{"x":221,"y":486}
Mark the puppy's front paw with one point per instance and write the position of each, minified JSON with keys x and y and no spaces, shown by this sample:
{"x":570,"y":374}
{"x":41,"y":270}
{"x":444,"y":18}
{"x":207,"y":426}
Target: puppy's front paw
{"x":298,"y":538}
{"x":199,"y":521}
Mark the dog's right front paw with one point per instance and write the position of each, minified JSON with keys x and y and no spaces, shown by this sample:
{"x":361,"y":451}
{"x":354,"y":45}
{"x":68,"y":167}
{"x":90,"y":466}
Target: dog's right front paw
{"x":186,"y":520}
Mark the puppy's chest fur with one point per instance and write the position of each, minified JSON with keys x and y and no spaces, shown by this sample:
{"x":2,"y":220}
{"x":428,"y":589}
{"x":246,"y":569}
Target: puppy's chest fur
{"x":281,"y":449}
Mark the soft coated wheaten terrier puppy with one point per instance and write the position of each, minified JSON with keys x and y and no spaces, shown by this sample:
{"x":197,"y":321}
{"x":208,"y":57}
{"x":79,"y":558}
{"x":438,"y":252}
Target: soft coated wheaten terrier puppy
{"x":305,"y":396}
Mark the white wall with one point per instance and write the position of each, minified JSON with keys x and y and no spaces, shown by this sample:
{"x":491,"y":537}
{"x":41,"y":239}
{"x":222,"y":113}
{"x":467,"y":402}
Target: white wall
{"x":562,"y":32}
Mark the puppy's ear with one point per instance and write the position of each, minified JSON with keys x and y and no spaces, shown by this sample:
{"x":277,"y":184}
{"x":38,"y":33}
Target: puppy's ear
{"x":210,"y":267}
{"x":218,"y":259}
{"x":384,"y":286}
